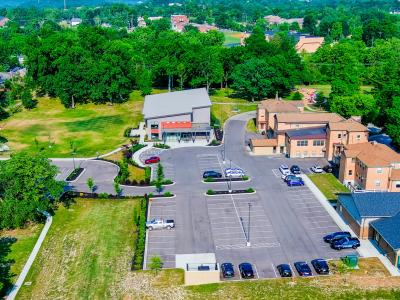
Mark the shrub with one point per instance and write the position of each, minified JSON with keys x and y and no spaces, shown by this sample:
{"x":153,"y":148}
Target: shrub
{"x":168,"y":194}
{"x":168,"y":181}
{"x":142,"y":182}
{"x":161,"y":146}
{"x":103,"y":196}
{"x":136,"y":148}
{"x":151,"y":195}
{"x":245,"y":177}
{"x":147,"y":174}
{"x":137,"y":263}
{"x":209,"y":179}
{"x":210,"y":192}
{"x":250,"y":190}
{"x":214,"y":143}
{"x":127,"y":132}
{"x":134,"y":182}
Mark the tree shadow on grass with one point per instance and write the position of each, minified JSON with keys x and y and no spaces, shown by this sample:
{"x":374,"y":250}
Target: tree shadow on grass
{"x":5,"y":264}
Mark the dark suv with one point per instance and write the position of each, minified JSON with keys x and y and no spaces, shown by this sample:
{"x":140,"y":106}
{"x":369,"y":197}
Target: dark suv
{"x":302,"y":268}
{"x":246,"y":270}
{"x":320,"y":266}
{"x":336,"y":235}
{"x":227,"y":270}
{"x":284,"y":270}
{"x":345,"y":243}
{"x":295,"y":169}
{"x":212,"y":174}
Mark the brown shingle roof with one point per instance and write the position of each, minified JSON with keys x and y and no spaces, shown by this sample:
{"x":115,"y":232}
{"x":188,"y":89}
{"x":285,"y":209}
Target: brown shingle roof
{"x":264,"y":142}
{"x":373,"y":154}
{"x":395,"y":174}
{"x":347,"y":125}
{"x":279,"y":106}
{"x":309,"y":118}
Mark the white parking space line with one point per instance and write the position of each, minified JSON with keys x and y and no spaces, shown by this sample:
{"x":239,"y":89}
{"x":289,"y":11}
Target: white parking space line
{"x":277,"y":173}
{"x":273,"y":268}
{"x":255,"y":267}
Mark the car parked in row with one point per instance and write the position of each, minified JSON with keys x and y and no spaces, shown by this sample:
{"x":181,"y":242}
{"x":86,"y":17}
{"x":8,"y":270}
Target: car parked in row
{"x":212,"y":174}
{"x":284,"y":270}
{"x":234,"y":172}
{"x":336,"y":235}
{"x":152,"y":160}
{"x":286,"y":178}
{"x":295,"y":169}
{"x":345,"y":243}
{"x":227,"y":270}
{"x":295,"y":182}
{"x":320,"y":266}
{"x":303,"y":268}
{"x":328,"y":169}
{"x":160,"y":224}
{"x":246,"y":270}
{"x":284,"y":169}
{"x":317,"y":169}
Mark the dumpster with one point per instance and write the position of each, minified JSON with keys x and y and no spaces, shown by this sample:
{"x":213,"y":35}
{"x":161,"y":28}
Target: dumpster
{"x":350,"y":261}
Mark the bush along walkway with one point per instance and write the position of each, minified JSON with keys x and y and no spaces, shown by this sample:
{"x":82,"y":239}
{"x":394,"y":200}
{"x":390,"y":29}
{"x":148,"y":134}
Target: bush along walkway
{"x":140,"y":219}
{"x":231,"y":192}
{"x":21,"y":278}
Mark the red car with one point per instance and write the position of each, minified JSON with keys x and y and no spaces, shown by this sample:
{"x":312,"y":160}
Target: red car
{"x":152,"y":160}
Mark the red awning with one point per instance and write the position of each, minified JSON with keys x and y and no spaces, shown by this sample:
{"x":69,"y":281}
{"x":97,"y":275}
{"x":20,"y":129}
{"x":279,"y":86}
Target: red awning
{"x":176,"y":125}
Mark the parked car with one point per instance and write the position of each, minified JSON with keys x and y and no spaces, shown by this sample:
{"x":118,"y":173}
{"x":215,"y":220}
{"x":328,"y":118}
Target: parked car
{"x":284,"y":270}
{"x":286,"y":178}
{"x":152,"y":160}
{"x":302,"y":268}
{"x":295,"y":182}
{"x":336,"y":235}
{"x":234,"y":172}
{"x":328,"y":169}
{"x":160,"y":224}
{"x":295,"y":169}
{"x":284,"y":169}
{"x":316,"y":169}
{"x":212,"y":174}
{"x":320,"y":266}
{"x":246,"y":270}
{"x":345,"y":243}
{"x":227,"y":270}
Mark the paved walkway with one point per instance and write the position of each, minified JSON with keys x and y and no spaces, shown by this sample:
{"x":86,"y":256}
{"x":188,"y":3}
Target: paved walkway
{"x":31,"y":259}
{"x":367,"y":249}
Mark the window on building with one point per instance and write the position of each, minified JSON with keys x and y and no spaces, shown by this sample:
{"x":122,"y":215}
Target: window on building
{"x":379,"y":170}
{"x":397,"y":185}
{"x":350,"y":172}
{"x":302,"y":143}
{"x":339,"y":136}
{"x":358,"y":137}
{"x":377,"y":183}
{"x":318,"y":142}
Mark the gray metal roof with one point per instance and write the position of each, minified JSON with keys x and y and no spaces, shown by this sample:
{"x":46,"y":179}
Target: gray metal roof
{"x":388,"y":228}
{"x":175,"y":103}
{"x":371,"y":204}
{"x":313,"y":132}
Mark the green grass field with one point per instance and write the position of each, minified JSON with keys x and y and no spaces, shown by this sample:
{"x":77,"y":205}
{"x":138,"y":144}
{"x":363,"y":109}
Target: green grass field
{"x":87,"y":252}
{"x":328,"y":185}
{"x":251,"y":125}
{"x":232,"y":37}
{"x":51,"y":127}
{"x":325,"y":89}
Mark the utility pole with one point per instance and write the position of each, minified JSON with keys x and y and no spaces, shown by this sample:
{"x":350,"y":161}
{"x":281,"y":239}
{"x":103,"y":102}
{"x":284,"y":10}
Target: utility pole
{"x":65,"y":4}
{"x":248,"y":227}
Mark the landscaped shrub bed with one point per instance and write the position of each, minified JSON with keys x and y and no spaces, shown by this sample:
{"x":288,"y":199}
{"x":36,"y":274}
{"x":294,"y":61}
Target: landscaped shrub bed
{"x":248,"y":191}
{"x":74,"y":174}
{"x":214,"y":143}
{"x":140,"y":220}
{"x":136,"y":148}
{"x":161,"y":146}
{"x":210,"y":179}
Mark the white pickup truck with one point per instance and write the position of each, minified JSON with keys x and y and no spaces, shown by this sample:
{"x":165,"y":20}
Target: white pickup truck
{"x":160,"y":224}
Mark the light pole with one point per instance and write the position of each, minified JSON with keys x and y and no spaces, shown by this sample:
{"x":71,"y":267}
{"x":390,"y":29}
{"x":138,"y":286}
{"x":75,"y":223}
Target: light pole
{"x":248,"y":227}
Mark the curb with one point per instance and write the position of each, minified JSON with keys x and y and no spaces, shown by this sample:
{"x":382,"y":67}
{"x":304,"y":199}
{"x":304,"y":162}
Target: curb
{"x":230,"y":194}
{"x":235,"y":181}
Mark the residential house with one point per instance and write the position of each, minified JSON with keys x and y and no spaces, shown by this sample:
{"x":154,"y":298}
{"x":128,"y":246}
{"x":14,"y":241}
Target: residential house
{"x":178,"y":116}
{"x":370,"y":166}
{"x":309,"y":44}
{"x":141,"y":22}
{"x":374,"y":216}
{"x":179,"y":22}
{"x":204,"y":27}
{"x":3,"y":21}
{"x":75,"y":21}
{"x":276,"y":20}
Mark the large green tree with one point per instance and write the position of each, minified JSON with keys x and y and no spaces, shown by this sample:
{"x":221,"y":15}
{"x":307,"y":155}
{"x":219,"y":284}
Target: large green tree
{"x":27,"y":187}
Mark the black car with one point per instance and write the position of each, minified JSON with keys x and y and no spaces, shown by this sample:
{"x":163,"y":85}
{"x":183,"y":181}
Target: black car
{"x":302,"y":268}
{"x":345,"y":243}
{"x":246,"y":270}
{"x":320,"y":266}
{"x":336,"y":235}
{"x":284,"y":270}
{"x":212,"y":174}
{"x":227,"y":270}
{"x":295,"y":169}
{"x":328,"y":169}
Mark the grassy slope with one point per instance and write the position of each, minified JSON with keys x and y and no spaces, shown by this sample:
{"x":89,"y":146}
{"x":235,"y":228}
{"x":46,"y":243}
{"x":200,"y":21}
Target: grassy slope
{"x":326,"y":88}
{"x":251,"y":125}
{"x":86,"y":253}
{"x":232,"y":37}
{"x":328,"y":185}
{"x":22,"y":247}
{"x":92,"y":127}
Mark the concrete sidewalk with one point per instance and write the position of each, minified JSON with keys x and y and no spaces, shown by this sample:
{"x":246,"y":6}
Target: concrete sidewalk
{"x":367,"y":249}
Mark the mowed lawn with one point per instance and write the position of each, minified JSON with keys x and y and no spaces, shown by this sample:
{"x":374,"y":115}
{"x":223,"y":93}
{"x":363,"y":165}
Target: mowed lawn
{"x":95,"y":129}
{"x":87,"y":252}
{"x":232,"y":37}
{"x":329,"y":185}
{"x":325,"y":89}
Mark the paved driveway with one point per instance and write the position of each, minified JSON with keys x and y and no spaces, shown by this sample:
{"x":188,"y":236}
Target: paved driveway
{"x":286,"y":223}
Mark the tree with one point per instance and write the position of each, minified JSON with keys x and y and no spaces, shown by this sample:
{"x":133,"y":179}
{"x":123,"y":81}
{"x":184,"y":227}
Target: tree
{"x":117,"y":188}
{"x":3,"y":114}
{"x":392,"y":124}
{"x":160,"y":177}
{"x":356,"y":105}
{"x":27,"y":187}
{"x":90,"y":184}
{"x":27,"y":101}
{"x":156,"y":264}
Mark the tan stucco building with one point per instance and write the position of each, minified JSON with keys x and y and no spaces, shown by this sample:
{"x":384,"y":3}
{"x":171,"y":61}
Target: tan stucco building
{"x":370,"y":166}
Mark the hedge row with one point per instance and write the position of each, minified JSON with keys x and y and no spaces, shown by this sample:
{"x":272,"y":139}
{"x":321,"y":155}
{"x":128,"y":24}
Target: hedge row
{"x":140,"y":222}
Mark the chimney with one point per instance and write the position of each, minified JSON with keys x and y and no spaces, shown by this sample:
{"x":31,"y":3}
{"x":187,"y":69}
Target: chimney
{"x":356,"y":118}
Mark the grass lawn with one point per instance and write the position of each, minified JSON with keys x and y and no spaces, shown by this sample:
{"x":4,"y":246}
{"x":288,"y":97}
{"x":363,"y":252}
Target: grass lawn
{"x":370,"y":282}
{"x":87,"y":252}
{"x":135,"y":173}
{"x":93,"y":128}
{"x":232,"y":37}
{"x":328,"y":185}
{"x":325,"y":89}
{"x":224,"y":106}
{"x":251,"y":125}
{"x":17,"y":245}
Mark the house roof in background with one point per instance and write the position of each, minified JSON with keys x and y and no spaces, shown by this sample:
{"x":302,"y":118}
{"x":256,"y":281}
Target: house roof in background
{"x":350,"y":125}
{"x":373,"y":154}
{"x":371,"y":204}
{"x":308,"y":118}
{"x":264,"y":142}
{"x":278,"y":106}
{"x":388,"y":228}
{"x":175,"y":103}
